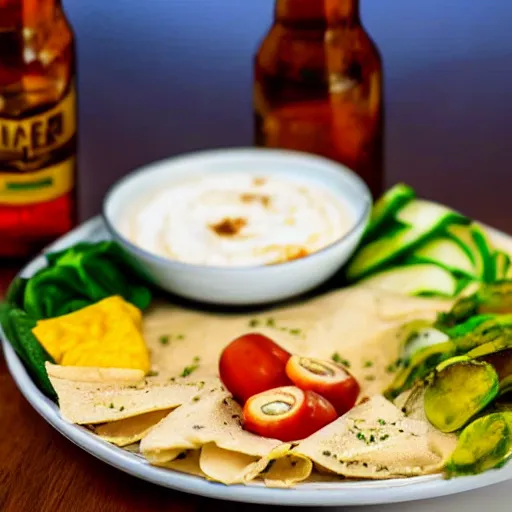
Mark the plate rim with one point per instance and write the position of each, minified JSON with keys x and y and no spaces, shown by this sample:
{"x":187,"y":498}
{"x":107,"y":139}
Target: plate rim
{"x":345,"y":494}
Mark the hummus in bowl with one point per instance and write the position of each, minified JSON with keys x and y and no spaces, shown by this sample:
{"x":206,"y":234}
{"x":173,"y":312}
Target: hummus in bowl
{"x":238,"y":220}
{"x":241,"y":226}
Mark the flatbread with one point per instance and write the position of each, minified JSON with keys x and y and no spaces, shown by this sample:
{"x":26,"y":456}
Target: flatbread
{"x":130,"y":430}
{"x":192,"y":424}
{"x":92,"y":402}
{"x":211,"y":421}
{"x":375,"y":441}
{"x":349,"y":322}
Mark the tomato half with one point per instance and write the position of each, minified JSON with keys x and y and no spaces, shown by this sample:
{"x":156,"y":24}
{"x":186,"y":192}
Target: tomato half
{"x":325,"y":378}
{"x":287,"y":413}
{"x":251,"y":364}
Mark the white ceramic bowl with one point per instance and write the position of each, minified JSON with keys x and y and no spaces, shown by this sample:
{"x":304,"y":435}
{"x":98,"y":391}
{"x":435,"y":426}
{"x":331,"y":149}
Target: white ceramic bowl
{"x":241,"y":285}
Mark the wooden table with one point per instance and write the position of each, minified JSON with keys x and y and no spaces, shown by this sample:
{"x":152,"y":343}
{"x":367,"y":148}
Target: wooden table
{"x":160,"y":78}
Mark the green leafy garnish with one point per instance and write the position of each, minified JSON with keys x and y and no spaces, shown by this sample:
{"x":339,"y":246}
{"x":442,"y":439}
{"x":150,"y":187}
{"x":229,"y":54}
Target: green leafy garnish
{"x":338,"y":359}
{"x":164,"y":340}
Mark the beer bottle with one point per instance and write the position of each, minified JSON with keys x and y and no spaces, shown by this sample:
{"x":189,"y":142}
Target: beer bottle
{"x":318,"y":86}
{"x":37,"y":125}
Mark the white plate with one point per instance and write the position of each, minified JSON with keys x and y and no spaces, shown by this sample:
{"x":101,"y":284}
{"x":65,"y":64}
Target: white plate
{"x":323,"y":494}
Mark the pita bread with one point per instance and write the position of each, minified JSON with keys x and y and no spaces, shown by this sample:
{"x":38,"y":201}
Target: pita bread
{"x":193,"y":425}
{"x":213,"y":418}
{"x":92,"y":402}
{"x":130,"y":430}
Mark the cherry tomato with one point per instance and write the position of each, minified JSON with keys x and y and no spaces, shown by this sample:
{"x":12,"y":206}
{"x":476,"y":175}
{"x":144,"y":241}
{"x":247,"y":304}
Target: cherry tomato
{"x":251,"y":364}
{"x":325,"y":378}
{"x":287,"y":413}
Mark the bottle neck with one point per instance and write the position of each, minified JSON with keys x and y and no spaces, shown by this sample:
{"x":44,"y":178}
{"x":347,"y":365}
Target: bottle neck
{"x":330,"y":12}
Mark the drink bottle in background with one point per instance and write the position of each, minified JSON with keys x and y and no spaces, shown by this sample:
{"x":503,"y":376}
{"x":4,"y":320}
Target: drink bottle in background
{"x":318,"y":86}
{"x":38,"y":119}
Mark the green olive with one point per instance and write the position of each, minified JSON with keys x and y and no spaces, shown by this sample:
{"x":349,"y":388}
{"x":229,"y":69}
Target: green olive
{"x":458,"y":390}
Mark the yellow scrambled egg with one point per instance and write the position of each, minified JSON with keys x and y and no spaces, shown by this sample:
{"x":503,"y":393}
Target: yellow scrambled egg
{"x":107,"y":334}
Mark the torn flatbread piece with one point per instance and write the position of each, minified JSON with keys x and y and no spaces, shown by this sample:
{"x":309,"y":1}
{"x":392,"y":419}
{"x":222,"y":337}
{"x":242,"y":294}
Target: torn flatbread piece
{"x":130,"y":430}
{"x":282,"y":467}
{"x":212,"y":421}
{"x":93,"y":402}
{"x":373,"y":441}
{"x":376,"y":441}
{"x":186,"y":462}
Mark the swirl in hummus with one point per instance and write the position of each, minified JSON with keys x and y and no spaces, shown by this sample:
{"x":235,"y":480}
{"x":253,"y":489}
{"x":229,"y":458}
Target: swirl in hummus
{"x":238,"y":220}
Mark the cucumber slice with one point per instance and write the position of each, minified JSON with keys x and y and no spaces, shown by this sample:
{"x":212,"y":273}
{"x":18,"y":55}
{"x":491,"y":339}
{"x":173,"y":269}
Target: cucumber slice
{"x":447,"y":254}
{"x":422,"y":279}
{"x":417,"y":221}
{"x":501,"y":264}
{"x":386,"y":207}
{"x":463,"y":236}
{"x":485,"y":247}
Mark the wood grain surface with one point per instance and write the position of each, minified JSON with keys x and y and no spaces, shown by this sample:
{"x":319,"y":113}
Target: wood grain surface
{"x":163,"y":77}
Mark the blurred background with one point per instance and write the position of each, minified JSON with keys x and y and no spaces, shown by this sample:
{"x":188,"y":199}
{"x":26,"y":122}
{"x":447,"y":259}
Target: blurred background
{"x":448,"y":72}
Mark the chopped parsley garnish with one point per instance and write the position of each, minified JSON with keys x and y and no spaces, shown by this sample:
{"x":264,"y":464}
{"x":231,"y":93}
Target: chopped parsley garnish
{"x":152,"y":373}
{"x":327,"y":453}
{"x":121,"y":408}
{"x":195,"y":399}
{"x":180,"y":336}
{"x":368,"y":364}
{"x":189,"y":369}
{"x":254,"y":322}
{"x":384,"y":437}
{"x":361,"y":436}
{"x":271,"y":322}
{"x":370,"y":377}
{"x":381,"y":421}
{"x":111,"y":405}
{"x":196,"y":359}
{"x":372,"y":439}
{"x":295,"y":332}
{"x":164,"y":340}
{"x":338,"y":359}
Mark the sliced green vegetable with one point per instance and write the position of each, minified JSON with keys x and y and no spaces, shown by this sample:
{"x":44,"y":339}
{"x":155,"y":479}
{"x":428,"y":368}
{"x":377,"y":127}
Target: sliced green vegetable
{"x":445,"y":253}
{"x":420,"y":340}
{"x":458,"y":390}
{"x":484,"y":246}
{"x":386,"y":207}
{"x":492,"y":298}
{"x":416,"y":221}
{"x":464,"y":237}
{"x":484,"y":444}
{"x":466,"y":327}
{"x":421,"y":279}
{"x":419,"y":366}
{"x":497,"y":330}
{"x":18,"y":326}
{"x":501,"y":265}
{"x":506,"y":386}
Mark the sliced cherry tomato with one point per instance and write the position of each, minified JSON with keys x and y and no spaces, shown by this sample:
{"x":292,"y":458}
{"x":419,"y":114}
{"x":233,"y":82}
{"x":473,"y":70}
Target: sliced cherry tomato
{"x":287,"y":413}
{"x":251,"y":364}
{"x":325,"y":378}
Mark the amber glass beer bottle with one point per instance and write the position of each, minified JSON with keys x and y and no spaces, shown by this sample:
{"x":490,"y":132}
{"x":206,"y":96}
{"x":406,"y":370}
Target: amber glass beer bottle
{"x":37,"y":125}
{"x":318,"y":86}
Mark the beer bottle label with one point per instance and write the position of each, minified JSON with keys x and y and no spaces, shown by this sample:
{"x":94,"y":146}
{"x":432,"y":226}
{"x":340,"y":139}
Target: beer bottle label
{"x":24,"y":142}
